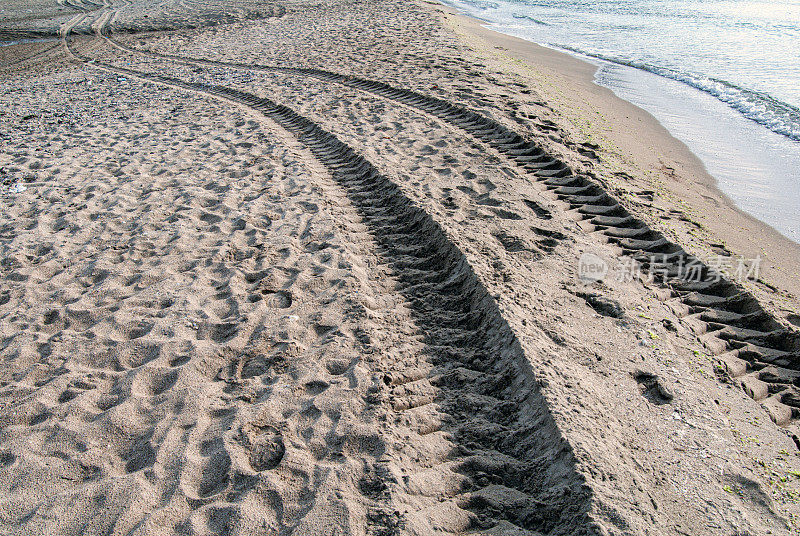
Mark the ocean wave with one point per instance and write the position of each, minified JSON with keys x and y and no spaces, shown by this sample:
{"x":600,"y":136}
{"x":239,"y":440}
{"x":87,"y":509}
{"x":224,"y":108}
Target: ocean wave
{"x":481,"y":4}
{"x":528,"y":17}
{"x":779,"y":117}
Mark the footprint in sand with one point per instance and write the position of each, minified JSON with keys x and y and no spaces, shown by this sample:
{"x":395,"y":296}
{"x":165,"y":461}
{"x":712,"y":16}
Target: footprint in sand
{"x":277,"y":299}
{"x":264,"y":446}
{"x":7,"y":458}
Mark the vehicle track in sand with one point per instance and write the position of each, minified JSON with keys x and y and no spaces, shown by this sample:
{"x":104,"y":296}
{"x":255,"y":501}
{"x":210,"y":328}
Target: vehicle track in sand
{"x":729,"y":321}
{"x":480,"y":386}
{"x":39,"y":57}
{"x":500,"y":458}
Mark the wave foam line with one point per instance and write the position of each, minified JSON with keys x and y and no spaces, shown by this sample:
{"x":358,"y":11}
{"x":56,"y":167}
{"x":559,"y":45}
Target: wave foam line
{"x":777,"y":116}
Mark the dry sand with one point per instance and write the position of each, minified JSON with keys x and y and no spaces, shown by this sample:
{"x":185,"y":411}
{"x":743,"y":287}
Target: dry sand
{"x":216,"y":318}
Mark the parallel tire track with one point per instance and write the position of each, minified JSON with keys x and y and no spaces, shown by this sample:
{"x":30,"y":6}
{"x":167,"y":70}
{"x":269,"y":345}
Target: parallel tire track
{"x":729,"y":321}
{"x":483,"y":386}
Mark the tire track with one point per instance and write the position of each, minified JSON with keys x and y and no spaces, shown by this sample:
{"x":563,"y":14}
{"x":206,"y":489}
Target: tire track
{"x":482,"y":385}
{"x":32,"y":57}
{"x":69,"y":28}
{"x":479,"y":389}
{"x":728,"y":320}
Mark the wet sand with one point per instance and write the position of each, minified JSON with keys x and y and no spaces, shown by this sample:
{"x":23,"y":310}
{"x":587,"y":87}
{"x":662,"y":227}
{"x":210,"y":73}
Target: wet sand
{"x":632,"y":142}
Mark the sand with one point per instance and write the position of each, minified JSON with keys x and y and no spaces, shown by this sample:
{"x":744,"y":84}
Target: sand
{"x":245,"y":300}
{"x":637,"y":153}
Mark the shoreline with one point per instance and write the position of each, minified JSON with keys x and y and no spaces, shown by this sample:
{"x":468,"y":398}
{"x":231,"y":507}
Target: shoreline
{"x":636,"y":148}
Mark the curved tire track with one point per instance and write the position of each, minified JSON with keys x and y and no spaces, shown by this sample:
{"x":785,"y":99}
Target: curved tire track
{"x":482,"y":386}
{"x":729,"y":321}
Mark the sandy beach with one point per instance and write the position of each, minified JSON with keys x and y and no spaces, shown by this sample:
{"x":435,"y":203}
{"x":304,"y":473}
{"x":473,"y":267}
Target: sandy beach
{"x":315,"y":268}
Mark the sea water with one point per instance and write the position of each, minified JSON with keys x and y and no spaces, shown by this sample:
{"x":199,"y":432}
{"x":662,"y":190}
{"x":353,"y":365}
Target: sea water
{"x":723,"y":76}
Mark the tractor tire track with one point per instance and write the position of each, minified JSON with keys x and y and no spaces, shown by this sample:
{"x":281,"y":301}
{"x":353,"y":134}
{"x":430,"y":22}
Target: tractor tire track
{"x":729,"y":321}
{"x":479,"y":388}
{"x":481,"y":385}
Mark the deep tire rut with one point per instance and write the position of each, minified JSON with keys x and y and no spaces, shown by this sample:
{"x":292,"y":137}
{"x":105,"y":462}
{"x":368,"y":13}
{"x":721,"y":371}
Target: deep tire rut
{"x":729,"y":321}
{"x":481,"y":391}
